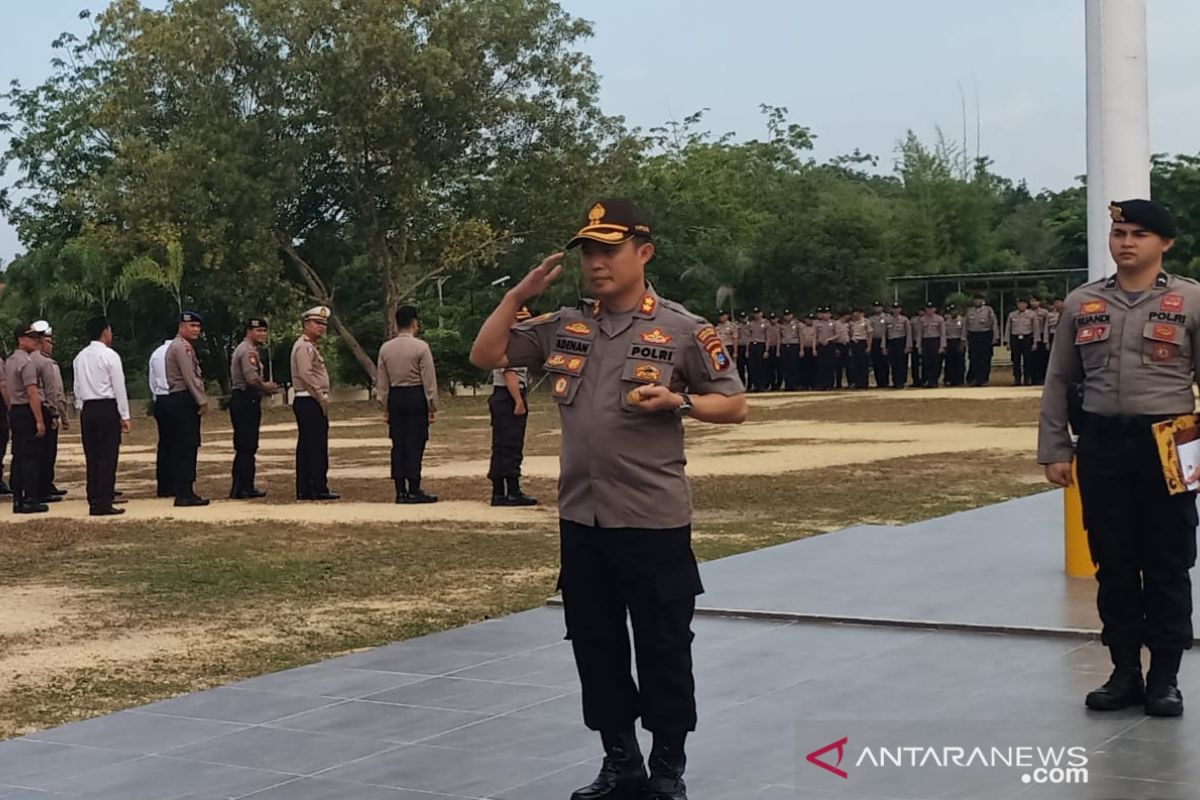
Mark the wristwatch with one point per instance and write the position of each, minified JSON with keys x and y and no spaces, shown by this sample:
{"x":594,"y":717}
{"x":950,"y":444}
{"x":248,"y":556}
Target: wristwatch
{"x":684,"y":409}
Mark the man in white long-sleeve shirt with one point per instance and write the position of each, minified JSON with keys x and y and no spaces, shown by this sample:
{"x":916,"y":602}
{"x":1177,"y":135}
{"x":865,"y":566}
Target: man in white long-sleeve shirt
{"x":104,"y":414}
{"x":159,"y":389}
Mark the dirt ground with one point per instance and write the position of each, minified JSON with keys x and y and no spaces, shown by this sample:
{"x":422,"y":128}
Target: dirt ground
{"x":104,"y":613}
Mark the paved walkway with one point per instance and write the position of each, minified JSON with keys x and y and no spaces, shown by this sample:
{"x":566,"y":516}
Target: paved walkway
{"x":492,"y":710}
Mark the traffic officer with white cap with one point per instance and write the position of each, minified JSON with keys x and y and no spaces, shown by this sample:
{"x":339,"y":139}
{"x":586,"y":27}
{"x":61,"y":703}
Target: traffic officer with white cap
{"x":621,"y":370}
{"x":1133,"y":342}
{"x":310,"y":405}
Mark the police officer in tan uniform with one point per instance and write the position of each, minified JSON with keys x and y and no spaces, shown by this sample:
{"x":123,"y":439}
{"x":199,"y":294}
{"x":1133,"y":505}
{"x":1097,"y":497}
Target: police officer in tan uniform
{"x":774,"y":356}
{"x":406,"y":387}
{"x":879,"y":362}
{"x":27,"y":417}
{"x":789,"y":351}
{"x":916,"y":327}
{"x":956,"y":352}
{"x":1039,"y":359}
{"x":1133,"y":342}
{"x":310,"y":405}
{"x":933,"y":346}
{"x":1020,"y":333}
{"x":187,"y":402}
{"x":826,"y":339}
{"x":624,"y":374}
{"x":4,"y":487}
{"x":249,"y":387}
{"x":859,"y":331}
{"x":57,"y":412}
{"x":756,"y":351}
{"x":1052,"y":318}
{"x":727,"y":329}
{"x":983,"y":334}
{"x":897,"y":344}
{"x":808,"y":352}
{"x":743,"y":348}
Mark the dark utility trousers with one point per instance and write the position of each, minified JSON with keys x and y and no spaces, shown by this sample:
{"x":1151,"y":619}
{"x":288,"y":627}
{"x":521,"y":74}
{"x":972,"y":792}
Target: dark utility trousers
{"x":408,"y":427}
{"x":312,"y":447}
{"x":956,"y":362}
{"x":879,"y":363}
{"x":185,"y":441}
{"x":49,"y":458}
{"x":100,"y":427}
{"x":1143,"y":540}
{"x":28,"y":450}
{"x":163,"y":453}
{"x":3,"y":439}
{"x":979,"y":345}
{"x":898,"y":361}
{"x":1021,"y":348}
{"x":508,"y":435}
{"x":651,"y":576}
{"x":245,"y":412}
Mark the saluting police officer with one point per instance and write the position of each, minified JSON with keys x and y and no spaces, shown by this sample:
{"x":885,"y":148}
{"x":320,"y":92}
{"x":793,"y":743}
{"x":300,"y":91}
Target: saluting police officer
{"x":626,"y":540}
{"x":1133,"y":341}
{"x":406,"y":387}
{"x":983,"y":333}
{"x":310,"y":405}
{"x":27,"y":420}
{"x":509,"y":413}
{"x":249,"y":386}
{"x":187,"y":403}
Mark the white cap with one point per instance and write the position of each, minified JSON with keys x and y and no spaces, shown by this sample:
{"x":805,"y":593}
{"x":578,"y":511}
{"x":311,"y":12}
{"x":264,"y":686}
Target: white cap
{"x":316,"y":312}
{"x":42,"y":327}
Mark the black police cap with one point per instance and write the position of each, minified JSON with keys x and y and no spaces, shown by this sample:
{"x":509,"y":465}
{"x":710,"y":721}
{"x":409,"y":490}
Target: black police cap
{"x":256,"y":322}
{"x":1146,"y":213}
{"x":191,"y":316}
{"x":612,"y":220}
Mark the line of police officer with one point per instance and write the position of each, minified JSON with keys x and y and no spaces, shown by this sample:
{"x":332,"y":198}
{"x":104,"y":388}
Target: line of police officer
{"x":824,"y":352}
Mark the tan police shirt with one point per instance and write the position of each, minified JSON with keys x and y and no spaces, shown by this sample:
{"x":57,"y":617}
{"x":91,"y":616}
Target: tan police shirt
{"x":841,"y":331}
{"x":933,"y":326}
{"x":808,"y":337}
{"x":879,"y":324}
{"x":308,"y":370}
{"x":1133,"y":358}
{"x":915,"y":327}
{"x":825,"y":332}
{"x":743,"y":330}
{"x":773,"y":337}
{"x":758,"y":331}
{"x":622,"y":468}
{"x":406,"y":361}
{"x":789,"y":332}
{"x":245,"y":369}
{"x":20,"y":371}
{"x":956,"y":328}
{"x":1021,"y":323}
{"x":1052,"y":318}
{"x":860,"y":330}
{"x":50,"y":385}
{"x":897,"y":328}
{"x":983,"y":319}
{"x":728,"y":331}
{"x":521,"y":373}
{"x":183,"y":370}
{"x":1039,"y":326}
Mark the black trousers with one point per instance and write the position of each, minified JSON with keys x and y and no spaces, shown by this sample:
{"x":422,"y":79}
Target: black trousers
{"x":1021,"y":348}
{"x":842,"y":364}
{"x":1143,"y":540}
{"x":859,"y":365}
{"x":827,"y":360}
{"x":312,"y":447}
{"x":931,"y":361}
{"x":879,"y":363}
{"x":979,"y":344}
{"x":756,"y":358}
{"x":49,"y":458}
{"x":1039,"y":359}
{"x":508,"y":435}
{"x":807,"y":369}
{"x":956,"y":362}
{"x":915,"y":360}
{"x":898,"y":361}
{"x":651,"y":576}
{"x":100,"y":426}
{"x":408,"y":427}
{"x":245,"y":412}
{"x":789,"y":360}
{"x":163,"y":454}
{"x":185,"y":441}
{"x":743,"y":365}
{"x":27,"y":452}
{"x":774,"y":371}
{"x":3,"y":440}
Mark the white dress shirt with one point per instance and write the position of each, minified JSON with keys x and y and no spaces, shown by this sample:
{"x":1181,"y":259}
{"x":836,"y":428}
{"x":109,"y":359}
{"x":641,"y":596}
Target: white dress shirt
{"x":99,"y":376}
{"x":158,"y":370}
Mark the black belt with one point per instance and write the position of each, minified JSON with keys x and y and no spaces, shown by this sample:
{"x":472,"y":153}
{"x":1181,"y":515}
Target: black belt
{"x":100,"y":400}
{"x":1122,"y":424}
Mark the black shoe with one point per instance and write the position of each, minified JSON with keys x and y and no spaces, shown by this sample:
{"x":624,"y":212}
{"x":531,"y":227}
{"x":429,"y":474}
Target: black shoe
{"x":30,"y":508}
{"x":119,"y":501}
{"x":326,"y":496}
{"x":54,"y":490}
{"x":1124,"y":688}
{"x":622,"y":775}
{"x":188,"y":502}
{"x":417,"y":496}
{"x":667,"y":762}
{"x":51,"y":498}
{"x":4,"y":488}
{"x":106,"y":512}
{"x":165,"y":494}
{"x":401,"y":498}
{"x":247,"y":494}
{"x":118,"y":493}
{"x":1164,"y":701}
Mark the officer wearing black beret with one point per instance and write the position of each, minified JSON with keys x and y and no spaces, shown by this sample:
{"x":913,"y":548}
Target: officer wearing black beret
{"x":1133,"y":341}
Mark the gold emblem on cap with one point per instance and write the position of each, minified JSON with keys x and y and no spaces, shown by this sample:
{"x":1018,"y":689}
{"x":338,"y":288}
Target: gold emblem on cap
{"x":1116,"y":212}
{"x":596,"y":214}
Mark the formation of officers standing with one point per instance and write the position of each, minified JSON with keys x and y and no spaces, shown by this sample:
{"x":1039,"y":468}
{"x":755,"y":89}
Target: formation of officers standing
{"x":824,"y":352}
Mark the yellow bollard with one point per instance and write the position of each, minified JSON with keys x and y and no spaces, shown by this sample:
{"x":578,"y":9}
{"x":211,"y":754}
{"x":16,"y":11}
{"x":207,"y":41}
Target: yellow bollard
{"x":1078,"y":555}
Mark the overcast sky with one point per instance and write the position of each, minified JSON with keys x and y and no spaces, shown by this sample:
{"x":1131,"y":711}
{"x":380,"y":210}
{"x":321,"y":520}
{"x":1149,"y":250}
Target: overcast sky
{"x":857,"y":72}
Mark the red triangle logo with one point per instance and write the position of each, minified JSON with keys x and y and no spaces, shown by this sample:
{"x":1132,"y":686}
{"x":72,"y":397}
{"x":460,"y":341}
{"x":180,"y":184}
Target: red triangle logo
{"x":840,"y":746}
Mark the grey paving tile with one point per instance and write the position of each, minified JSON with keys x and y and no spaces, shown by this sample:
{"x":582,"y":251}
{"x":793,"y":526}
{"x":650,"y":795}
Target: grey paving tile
{"x":317,"y":789}
{"x":29,"y":794}
{"x":537,"y":668}
{"x":1105,"y":788}
{"x":504,"y":636}
{"x":321,"y":681}
{"x":35,"y":765}
{"x":554,"y":786}
{"x":236,"y":705}
{"x":380,"y":721}
{"x":519,"y":737}
{"x":294,"y":752}
{"x":1170,"y":761}
{"x":568,"y":708}
{"x":413,"y":658}
{"x":482,"y":697}
{"x":438,"y":769}
{"x":134,"y":732}
{"x":158,"y":778}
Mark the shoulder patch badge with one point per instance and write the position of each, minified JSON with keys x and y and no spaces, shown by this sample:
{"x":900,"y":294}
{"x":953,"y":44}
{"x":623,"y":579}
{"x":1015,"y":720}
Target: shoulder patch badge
{"x":578,"y":329}
{"x":656,"y":336}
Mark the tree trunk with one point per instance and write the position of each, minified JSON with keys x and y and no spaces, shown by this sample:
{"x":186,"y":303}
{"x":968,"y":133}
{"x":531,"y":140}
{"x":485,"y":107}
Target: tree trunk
{"x":317,"y":288}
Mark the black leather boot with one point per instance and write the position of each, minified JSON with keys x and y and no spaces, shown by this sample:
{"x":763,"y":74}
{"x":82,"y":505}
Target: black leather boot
{"x":1163,"y":698}
{"x":498,"y":491}
{"x":515,"y":496}
{"x":667,"y":762}
{"x":622,"y":775}
{"x":1124,"y":687}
